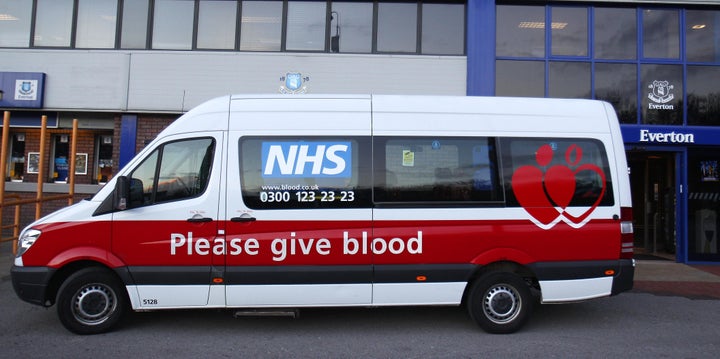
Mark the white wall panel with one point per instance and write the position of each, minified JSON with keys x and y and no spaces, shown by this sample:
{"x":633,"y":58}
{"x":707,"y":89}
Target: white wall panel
{"x":181,"y":80}
{"x":81,"y":80}
{"x":175,"y":81}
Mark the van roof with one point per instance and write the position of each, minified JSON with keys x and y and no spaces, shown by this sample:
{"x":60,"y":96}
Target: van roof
{"x":395,"y":113}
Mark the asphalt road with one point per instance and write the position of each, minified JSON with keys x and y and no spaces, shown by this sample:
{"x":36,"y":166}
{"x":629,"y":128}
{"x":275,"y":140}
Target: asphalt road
{"x":629,"y":325}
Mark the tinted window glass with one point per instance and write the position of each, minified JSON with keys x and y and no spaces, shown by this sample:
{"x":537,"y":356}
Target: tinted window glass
{"x":173,"y":24}
{"x":703,"y":95}
{"x":451,"y":170}
{"x":397,"y":27}
{"x":617,"y":84}
{"x":615,"y":33}
{"x":216,"y":25}
{"x":53,"y":23}
{"x":569,"y":31}
{"x":306,"y":25}
{"x":15,"y":28}
{"x":569,"y":80}
{"x":520,"y":31}
{"x":175,"y":171}
{"x":96,"y":24}
{"x":351,"y":24}
{"x":261,"y":26}
{"x":520,"y":78}
{"x":562,"y":172}
{"x":134,"y":24}
{"x":443,"y":28}
{"x":661,"y":34}
{"x":319,"y":172}
{"x":702,"y":34}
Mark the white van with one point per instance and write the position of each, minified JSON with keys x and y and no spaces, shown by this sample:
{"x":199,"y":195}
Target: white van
{"x":319,"y":201}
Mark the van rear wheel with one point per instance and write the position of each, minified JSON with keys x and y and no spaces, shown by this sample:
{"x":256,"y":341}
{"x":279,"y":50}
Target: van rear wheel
{"x":91,"y":301}
{"x":500,"y":302}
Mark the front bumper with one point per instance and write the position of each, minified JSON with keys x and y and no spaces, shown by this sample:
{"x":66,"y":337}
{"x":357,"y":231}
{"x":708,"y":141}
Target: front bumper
{"x":31,"y":284}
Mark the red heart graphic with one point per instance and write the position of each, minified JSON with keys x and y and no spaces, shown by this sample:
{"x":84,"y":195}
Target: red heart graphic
{"x":588,"y":167}
{"x":560,"y":185}
{"x":527,"y":184}
{"x":539,"y":194}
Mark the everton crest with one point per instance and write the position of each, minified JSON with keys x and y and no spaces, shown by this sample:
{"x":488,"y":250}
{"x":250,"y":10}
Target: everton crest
{"x":661,"y":92}
{"x":294,"y":83}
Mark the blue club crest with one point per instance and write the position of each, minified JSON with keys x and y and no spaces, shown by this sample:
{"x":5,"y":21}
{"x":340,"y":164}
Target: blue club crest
{"x":294,"y":83}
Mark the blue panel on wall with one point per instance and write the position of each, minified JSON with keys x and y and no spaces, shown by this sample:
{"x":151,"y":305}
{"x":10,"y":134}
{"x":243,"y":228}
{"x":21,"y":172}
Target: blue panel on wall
{"x":22,"y":89}
{"x":128,"y":134}
{"x":670,"y":135}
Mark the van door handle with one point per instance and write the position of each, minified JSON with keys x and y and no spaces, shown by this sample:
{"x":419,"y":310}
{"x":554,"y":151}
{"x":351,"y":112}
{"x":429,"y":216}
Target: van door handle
{"x":199,"y":219}
{"x":242,"y":219}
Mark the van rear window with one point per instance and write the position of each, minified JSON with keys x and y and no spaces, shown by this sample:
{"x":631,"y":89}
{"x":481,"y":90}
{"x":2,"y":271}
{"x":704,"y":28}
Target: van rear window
{"x":562,"y":172}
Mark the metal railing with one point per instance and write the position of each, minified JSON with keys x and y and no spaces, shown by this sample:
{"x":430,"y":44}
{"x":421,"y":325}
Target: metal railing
{"x":14,"y":200}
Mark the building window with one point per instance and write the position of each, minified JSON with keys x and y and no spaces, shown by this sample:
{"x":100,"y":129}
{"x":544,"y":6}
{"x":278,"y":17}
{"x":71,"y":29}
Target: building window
{"x":703,"y":206}
{"x":569,"y":31}
{"x":305,"y":26}
{"x":134,"y":24}
{"x":103,"y":162}
{"x":173,"y":24}
{"x":16,"y":163}
{"x":96,"y":24}
{"x":520,"y":78}
{"x":661,"y":34}
{"x":53,"y":23}
{"x":261,"y":26}
{"x":60,"y":159}
{"x":397,"y":27}
{"x":662,"y":92}
{"x":702,"y":35}
{"x":351,"y":27}
{"x":15,"y":16}
{"x":703,"y":95}
{"x":569,"y":79}
{"x":442,"y":27}
{"x":216,"y":25}
{"x":520,"y":31}
{"x":615,"y":33}
{"x":617,"y":83}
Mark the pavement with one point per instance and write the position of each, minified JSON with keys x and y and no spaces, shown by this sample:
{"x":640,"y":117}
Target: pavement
{"x":656,"y":276}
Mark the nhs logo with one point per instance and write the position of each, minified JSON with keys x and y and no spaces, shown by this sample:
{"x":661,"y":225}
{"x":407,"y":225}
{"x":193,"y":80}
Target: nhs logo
{"x":306,"y":159}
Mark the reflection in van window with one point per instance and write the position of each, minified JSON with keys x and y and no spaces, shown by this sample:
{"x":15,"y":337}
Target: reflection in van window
{"x":423,"y":169}
{"x":175,"y":171}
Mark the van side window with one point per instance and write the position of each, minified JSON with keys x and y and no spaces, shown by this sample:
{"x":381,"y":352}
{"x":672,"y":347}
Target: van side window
{"x":174,"y":171}
{"x":569,"y":172}
{"x":436,"y":169}
{"x":305,"y":172}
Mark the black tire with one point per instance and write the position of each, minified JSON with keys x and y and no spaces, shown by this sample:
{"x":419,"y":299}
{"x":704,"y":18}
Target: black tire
{"x":91,"y":301}
{"x":500,"y":302}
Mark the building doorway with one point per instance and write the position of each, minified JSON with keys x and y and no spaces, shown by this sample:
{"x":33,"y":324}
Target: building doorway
{"x":653,"y":184}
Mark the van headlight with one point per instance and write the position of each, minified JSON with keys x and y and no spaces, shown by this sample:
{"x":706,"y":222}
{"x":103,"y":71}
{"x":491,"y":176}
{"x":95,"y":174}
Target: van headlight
{"x":26,"y":240}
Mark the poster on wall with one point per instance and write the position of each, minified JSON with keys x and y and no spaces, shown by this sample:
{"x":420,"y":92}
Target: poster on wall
{"x":33,"y":163}
{"x":709,"y":171}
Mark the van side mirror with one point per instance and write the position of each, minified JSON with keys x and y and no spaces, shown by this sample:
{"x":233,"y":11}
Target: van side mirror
{"x":122,"y":192}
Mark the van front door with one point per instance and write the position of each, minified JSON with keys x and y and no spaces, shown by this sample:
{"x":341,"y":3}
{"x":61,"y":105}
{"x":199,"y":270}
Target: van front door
{"x":168,"y":234}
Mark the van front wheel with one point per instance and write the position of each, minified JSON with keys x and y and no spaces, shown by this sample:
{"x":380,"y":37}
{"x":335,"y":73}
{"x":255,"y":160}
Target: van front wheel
{"x":500,"y":302}
{"x":91,"y":301}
